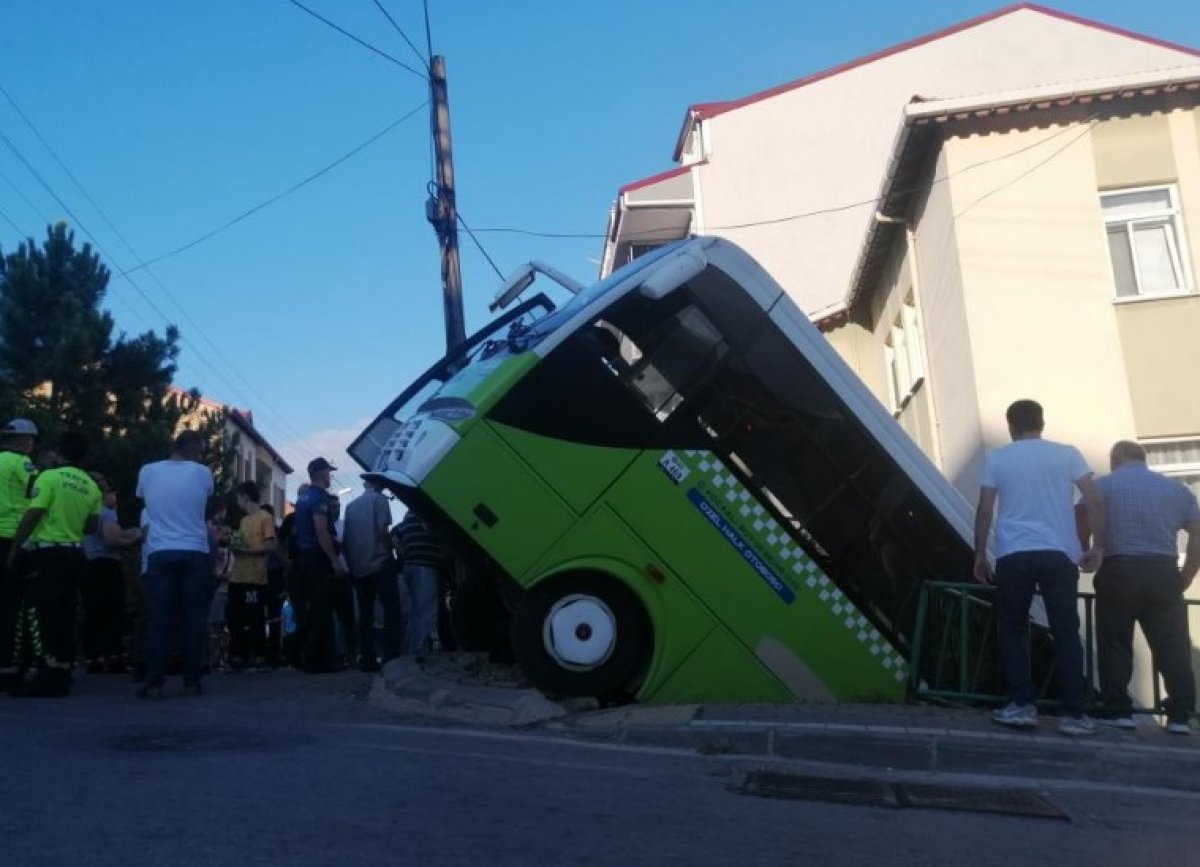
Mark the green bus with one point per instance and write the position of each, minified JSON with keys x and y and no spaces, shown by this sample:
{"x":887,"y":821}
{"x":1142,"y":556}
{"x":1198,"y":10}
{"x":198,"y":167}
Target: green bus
{"x":671,"y":488}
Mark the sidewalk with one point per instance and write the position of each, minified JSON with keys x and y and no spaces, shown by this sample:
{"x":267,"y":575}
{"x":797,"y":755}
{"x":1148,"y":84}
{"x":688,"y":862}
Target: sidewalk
{"x":885,"y":737}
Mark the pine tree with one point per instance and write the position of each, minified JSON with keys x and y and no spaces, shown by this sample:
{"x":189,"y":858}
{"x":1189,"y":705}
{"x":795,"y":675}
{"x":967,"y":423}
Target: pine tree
{"x":61,"y":365}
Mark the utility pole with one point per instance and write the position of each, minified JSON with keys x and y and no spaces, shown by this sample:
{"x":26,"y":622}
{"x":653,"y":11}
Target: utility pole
{"x":441,"y":209}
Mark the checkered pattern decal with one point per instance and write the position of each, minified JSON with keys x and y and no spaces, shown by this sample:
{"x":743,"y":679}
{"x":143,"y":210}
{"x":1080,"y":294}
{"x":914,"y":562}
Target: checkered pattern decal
{"x":769,"y":537}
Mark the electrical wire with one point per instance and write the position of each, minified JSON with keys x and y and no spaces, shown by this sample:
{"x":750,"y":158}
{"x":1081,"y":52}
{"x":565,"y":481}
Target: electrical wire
{"x":15,"y":227}
{"x":28,"y":201}
{"x":249,"y":212}
{"x":202,"y":357}
{"x":654,"y":234}
{"x":198,"y":329}
{"x":490,"y":260}
{"x":379,"y":5}
{"x":1031,"y":169}
{"x":362,"y":42}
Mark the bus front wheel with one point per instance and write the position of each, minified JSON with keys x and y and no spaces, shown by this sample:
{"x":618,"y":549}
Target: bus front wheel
{"x":581,"y":634}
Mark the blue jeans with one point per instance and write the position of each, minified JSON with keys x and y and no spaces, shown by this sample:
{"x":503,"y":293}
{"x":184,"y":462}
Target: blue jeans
{"x":422,"y":583}
{"x":177,"y":578}
{"x":1053,"y":573}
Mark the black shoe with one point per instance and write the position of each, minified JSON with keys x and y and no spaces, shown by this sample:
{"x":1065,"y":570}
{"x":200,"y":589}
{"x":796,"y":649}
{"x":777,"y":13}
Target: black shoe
{"x":369,"y":666}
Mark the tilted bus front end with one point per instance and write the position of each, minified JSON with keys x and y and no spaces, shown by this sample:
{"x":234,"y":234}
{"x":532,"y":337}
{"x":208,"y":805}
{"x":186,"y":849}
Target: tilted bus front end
{"x":683,"y":493}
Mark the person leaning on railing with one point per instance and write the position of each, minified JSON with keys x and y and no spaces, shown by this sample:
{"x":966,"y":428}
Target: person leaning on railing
{"x":1141,"y":582}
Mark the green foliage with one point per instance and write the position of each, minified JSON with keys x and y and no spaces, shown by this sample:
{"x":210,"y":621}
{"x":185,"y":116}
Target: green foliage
{"x":62,"y":366}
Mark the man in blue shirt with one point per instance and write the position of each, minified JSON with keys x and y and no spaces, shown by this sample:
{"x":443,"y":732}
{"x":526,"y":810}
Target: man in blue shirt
{"x":1141,"y":582}
{"x":312,"y":590}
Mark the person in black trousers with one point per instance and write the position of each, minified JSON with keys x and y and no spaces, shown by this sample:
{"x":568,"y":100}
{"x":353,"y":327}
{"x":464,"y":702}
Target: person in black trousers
{"x":1141,"y":582}
{"x":103,"y":587}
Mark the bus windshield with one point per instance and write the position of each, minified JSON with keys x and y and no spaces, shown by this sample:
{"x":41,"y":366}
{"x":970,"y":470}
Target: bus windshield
{"x":494,"y":340}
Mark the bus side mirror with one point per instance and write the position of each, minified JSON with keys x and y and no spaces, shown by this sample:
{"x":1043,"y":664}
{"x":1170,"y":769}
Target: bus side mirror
{"x":682,"y":267}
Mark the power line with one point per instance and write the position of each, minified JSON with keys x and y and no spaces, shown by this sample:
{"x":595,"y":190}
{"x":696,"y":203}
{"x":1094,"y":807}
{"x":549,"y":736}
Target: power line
{"x":379,"y":5}
{"x":654,"y":234}
{"x":362,"y":42}
{"x":28,"y":201}
{"x":99,"y":246}
{"x":249,"y":212}
{"x":1031,"y":169}
{"x":491,"y":261}
{"x":15,"y":227}
{"x":129,"y":246}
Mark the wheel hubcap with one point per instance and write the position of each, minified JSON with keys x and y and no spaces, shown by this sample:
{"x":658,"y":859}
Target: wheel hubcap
{"x":580,"y":632}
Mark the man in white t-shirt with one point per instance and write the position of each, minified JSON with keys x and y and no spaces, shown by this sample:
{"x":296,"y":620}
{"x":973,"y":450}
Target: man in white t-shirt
{"x":176,"y":493}
{"x":1037,"y":547}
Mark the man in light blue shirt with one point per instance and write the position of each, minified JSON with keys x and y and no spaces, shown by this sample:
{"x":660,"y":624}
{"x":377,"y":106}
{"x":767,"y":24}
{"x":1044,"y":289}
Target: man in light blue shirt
{"x":1033,"y":482}
{"x":176,"y":493}
{"x":1141,"y":582}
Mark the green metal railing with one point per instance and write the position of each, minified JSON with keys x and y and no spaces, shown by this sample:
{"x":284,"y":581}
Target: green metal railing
{"x":955,"y":655}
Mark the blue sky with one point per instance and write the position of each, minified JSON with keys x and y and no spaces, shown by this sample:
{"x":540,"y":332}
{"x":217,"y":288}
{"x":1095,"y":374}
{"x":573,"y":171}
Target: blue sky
{"x":177,"y":115}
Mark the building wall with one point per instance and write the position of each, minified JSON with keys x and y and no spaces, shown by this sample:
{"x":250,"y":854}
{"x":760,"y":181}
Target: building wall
{"x":827,"y":143}
{"x":1040,"y":295}
{"x":1037,"y":282}
{"x":954,"y":396}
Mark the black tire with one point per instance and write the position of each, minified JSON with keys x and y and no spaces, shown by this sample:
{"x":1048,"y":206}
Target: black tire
{"x":629,"y":656}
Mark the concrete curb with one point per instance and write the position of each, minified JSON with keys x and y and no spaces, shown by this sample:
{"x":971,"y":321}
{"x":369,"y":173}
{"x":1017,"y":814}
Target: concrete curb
{"x":403,"y":687}
{"x":921,"y":749}
{"x":891,"y":738}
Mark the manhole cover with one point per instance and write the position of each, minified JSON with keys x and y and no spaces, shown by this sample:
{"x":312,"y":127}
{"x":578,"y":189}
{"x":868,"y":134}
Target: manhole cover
{"x":879,"y":793}
{"x":185,"y":740}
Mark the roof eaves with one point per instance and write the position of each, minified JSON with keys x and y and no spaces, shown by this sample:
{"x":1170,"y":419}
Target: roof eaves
{"x":922,"y":119}
{"x":653,"y":179}
{"x":706,"y":110}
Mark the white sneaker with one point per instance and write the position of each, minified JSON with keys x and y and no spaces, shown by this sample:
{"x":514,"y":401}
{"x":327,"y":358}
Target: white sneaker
{"x":1179,"y":728}
{"x":1016,"y":715}
{"x":1119,"y":722}
{"x":1076,"y":726}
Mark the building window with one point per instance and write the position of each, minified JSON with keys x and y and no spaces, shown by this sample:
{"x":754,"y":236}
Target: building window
{"x":1146,"y":241}
{"x":903,"y":350}
{"x":1179,"y":459}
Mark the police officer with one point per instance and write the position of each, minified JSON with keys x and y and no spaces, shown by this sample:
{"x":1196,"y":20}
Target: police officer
{"x":16,"y":474}
{"x":64,"y":507}
{"x":317,"y":567}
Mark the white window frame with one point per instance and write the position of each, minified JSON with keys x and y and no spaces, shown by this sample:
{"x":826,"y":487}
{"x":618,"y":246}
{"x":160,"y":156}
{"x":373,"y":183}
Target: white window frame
{"x":1174,"y":215}
{"x":903,"y":350}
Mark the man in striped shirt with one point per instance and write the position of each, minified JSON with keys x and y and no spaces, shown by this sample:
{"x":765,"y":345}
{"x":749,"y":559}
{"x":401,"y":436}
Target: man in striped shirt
{"x":422,"y":561}
{"x":1141,"y":582}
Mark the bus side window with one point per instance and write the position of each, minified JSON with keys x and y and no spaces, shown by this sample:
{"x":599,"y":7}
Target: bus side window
{"x":674,"y":357}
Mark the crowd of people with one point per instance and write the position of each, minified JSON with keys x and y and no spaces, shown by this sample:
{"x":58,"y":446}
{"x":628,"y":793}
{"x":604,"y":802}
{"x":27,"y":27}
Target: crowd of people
{"x":197,"y":587}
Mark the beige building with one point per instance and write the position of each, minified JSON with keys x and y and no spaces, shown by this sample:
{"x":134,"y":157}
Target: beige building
{"x":255,"y":459}
{"x":791,"y":173}
{"x":1043,"y":244}
{"x":1036,"y":243}
{"x":1005,"y":209}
